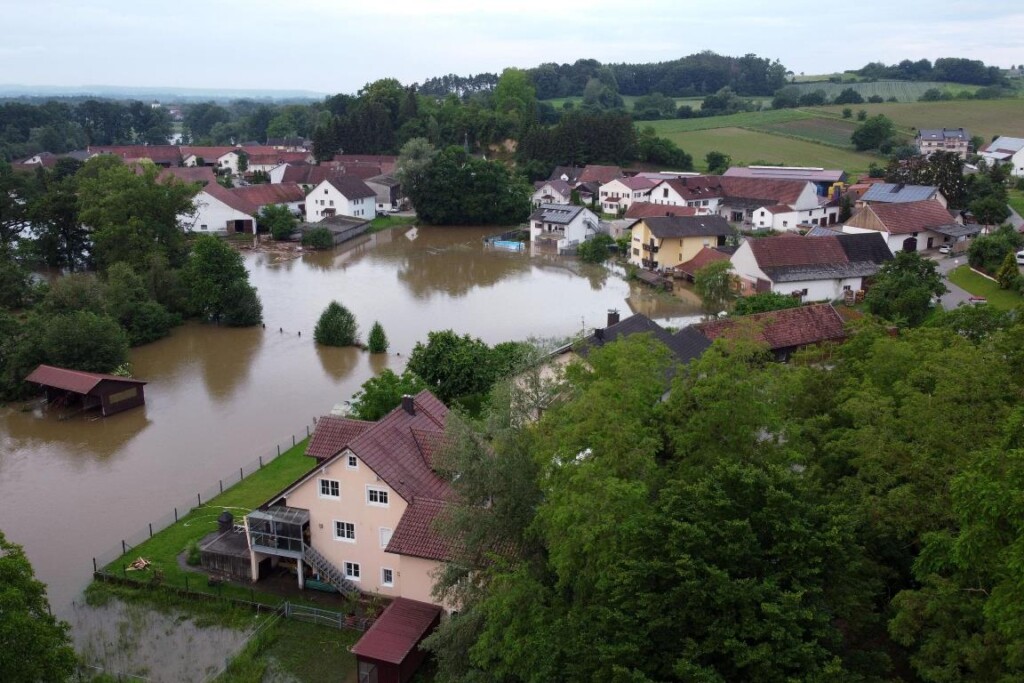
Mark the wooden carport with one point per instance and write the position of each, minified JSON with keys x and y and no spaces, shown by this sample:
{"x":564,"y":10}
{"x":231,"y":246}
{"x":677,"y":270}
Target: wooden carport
{"x":110,"y":393}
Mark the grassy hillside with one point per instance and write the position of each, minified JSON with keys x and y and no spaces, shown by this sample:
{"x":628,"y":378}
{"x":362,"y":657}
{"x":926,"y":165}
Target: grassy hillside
{"x":904,"y":91}
{"x":981,"y":117}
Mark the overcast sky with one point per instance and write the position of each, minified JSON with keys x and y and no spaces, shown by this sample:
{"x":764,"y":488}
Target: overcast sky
{"x":339,"y":45}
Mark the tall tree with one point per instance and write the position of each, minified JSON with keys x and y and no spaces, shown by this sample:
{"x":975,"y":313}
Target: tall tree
{"x":36,"y":646}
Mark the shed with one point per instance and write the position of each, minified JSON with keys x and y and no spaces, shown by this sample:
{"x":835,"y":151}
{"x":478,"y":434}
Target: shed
{"x":110,"y":393}
{"x":342,"y":228}
{"x":389,"y":651}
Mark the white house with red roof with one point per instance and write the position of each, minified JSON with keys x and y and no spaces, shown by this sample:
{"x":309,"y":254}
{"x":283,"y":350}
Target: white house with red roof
{"x":551,"y":192}
{"x":362,"y":518}
{"x":910,"y":226}
{"x":219,"y":211}
{"x":619,"y":194}
{"x":340,"y":195}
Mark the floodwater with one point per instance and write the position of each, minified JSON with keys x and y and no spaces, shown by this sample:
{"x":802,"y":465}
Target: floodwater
{"x":71,"y":489}
{"x":132,"y":640}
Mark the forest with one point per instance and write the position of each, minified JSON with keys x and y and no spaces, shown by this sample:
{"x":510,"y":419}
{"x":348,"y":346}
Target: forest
{"x":853,"y":515}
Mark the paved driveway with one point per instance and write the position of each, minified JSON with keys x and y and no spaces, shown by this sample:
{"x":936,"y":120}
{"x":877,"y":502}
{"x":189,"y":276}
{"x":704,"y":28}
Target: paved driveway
{"x":956,"y":296}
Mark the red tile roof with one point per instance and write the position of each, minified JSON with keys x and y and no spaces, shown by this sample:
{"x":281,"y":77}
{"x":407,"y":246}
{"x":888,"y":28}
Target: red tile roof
{"x":350,"y":187}
{"x":333,"y":434}
{"x":264,"y":194}
{"x":593,"y":173}
{"x":78,"y":381}
{"x":275,"y":157}
{"x":763,"y":189}
{"x":228,"y":197}
{"x":415,"y":534}
{"x":793,"y":250}
{"x":385,"y":162}
{"x":781,"y":329}
{"x":908,"y":217}
{"x":397,"y":632}
{"x":208,"y":154}
{"x":704,"y":257}
{"x":636,"y":182}
{"x":695,"y":187}
{"x":188,"y":174}
{"x":161,"y":154}
{"x":648,"y":210}
{"x":389,"y":448}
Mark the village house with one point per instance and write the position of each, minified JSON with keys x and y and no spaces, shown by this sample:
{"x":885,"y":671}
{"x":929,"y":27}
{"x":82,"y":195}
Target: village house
{"x":265,"y":162}
{"x":705,"y":257}
{"x":931,"y":140}
{"x":898,"y":193}
{"x":663,"y":242}
{"x":783,"y":332}
{"x":910,"y":226}
{"x":290,"y":144}
{"x":1005,"y":150}
{"x":223,"y":158}
{"x":385,"y":163}
{"x":551,"y":192}
{"x":289,"y":195}
{"x":769,"y":203}
{"x":810,"y":268}
{"x":340,"y":196}
{"x":562,"y":226}
{"x":567,"y":174}
{"x":619,"y":194}
{"x":362,"y":518}
{"x":219,"y":211}
{"x":701,"y":193}
{"x":647,"y":210}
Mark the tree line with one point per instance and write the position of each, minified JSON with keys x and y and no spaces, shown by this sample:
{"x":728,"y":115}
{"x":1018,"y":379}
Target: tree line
{"x":852,"y":515}
{"x":954,"y":69}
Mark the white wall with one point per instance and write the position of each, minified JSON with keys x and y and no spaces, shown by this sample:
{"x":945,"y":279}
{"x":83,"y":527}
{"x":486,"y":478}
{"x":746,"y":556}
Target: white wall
{"x":745,"y":265}
{"x":575,"y":231}
{"x":277,"y":173}
{"x":819,"y":290}
{"x":325,"y":197}
{"x":895,"y":242}
{"x":538,"y":197}
{"x":212,"y":213}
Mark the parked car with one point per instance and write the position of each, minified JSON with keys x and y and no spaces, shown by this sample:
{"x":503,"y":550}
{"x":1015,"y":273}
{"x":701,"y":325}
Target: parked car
{"x":946,"y":249}
{"x":1020,"y":258}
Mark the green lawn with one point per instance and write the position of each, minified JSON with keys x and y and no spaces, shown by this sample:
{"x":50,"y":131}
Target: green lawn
{"x":384,"y":222}
{"x":982,"y":286}
{"x":1017,"y":201}
{"x":824,"y":130}
{"x":163,"y":549}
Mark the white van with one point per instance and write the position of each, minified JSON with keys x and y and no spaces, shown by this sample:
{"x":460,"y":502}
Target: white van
{"x":1020,"y":258}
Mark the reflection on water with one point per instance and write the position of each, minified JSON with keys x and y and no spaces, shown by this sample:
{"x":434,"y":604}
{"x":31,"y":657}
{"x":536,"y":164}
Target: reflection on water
{"x":217,"y":397}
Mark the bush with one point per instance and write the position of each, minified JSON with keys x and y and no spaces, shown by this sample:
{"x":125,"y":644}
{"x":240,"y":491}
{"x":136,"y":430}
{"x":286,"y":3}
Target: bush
{"x":1008,"y":275}
{"x":849,"y":96}
{"x":595,"y":250}
{"x":192,"y":556}
{"x":378,"y":341}
{"x":764,"y":302}
{"x":862,"y":115}
{"x":148,"y":321}
{"x":847,"y":113}
{"x":876,"y":99}
{"x":318,"y":238}
{"x":84,"y":341}
{"x":383,"y":393}
{"x":336,"y":327}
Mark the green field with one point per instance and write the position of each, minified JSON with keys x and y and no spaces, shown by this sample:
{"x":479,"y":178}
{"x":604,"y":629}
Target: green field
{"x":904,"y":91}
{"x":670,"y":127}
{"x":828,"y":131}
{"x":980,"y":117}
{"x":750,"y":146}
{"x":628,"y":100}
{"x":1017,"y":201}
{"x":978,"y":285}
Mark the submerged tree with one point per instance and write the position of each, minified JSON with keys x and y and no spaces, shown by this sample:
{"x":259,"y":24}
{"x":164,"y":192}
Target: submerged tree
{"x":377,"y":341}
{"x":336,"y":327}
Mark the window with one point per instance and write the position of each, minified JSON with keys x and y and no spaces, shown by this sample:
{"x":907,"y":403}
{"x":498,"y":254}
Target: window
{"x":325,"y":190}
{"x":330,"y":488}
{"x":352,"y":571}
{"x":664,"y":193}
{"x":344,"y":531}
{"x":385,"y":537}
{"x":203,"y":226}
{"x":636,"y":252}
{"x":387,"y":577}
{"x":375,"y":496}
{"x":785,"y":224}
{"x":353,"y":462}
{"x":331,"y":202}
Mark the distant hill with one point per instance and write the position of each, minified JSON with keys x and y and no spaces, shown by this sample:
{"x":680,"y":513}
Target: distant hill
{"x":160,"y":93}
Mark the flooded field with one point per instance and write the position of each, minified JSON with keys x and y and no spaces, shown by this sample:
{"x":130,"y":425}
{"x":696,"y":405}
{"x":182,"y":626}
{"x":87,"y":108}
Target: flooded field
{"x":217,"y":397}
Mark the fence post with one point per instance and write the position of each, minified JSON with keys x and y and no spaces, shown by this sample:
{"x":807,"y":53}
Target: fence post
{"x":261,"y":462}
{"x":241,"y":474}
{"x":151,"y":529}
{"x":94,"y":568}
{"x":293,"y":439}
{"x":220,"y":482}
{"x":124,"y":547}
{"x":175,"y":515}
{"x":279,"y":450}
{"x":199,"y":499}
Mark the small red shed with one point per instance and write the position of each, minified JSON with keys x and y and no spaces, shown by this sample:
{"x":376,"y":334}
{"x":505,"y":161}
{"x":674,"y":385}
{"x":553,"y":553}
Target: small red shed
{"x":110,"y":393}
{"x":389,"y":650}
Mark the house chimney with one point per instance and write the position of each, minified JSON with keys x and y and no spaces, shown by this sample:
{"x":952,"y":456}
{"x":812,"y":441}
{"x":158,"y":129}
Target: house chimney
{"x":408,"y":405}
{"x":613,"y":316}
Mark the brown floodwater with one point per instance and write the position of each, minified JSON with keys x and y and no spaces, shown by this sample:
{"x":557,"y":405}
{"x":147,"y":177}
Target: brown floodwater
{"x":71,"y":489}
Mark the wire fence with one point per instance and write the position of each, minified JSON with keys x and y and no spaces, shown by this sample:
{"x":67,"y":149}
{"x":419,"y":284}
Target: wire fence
{"x":225,"y":482}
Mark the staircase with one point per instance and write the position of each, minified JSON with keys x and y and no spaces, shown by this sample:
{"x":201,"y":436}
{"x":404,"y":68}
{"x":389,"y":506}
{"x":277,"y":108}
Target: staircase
{"x":328,"y":572}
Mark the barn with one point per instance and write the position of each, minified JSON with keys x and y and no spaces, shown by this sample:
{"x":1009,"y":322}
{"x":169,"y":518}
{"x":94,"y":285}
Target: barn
{"x":389,"y":651}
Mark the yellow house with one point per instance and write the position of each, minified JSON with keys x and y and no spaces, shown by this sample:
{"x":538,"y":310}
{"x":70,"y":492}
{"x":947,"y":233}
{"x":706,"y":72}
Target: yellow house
{"x":663,"y":242}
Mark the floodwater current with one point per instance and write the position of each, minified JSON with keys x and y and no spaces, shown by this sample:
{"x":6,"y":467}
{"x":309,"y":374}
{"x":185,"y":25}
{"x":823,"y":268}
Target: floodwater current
{"x":70,"y":489}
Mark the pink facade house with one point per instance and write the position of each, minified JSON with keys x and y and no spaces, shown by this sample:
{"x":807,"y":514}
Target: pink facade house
{"x":362,"y":518}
